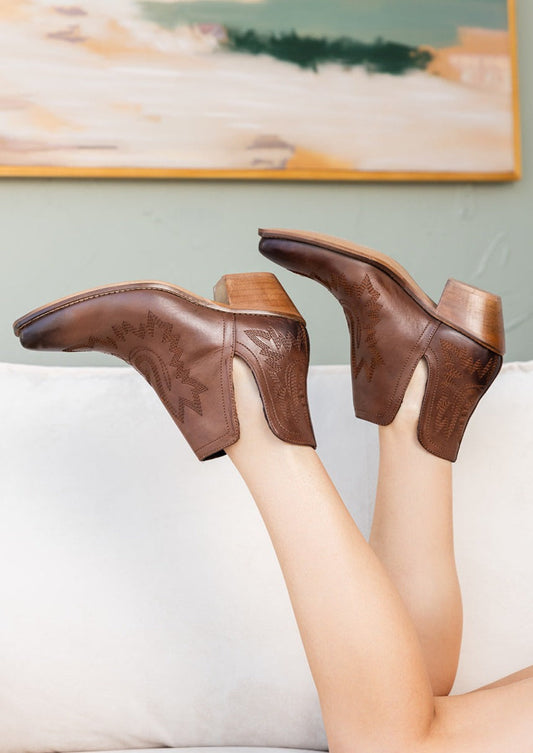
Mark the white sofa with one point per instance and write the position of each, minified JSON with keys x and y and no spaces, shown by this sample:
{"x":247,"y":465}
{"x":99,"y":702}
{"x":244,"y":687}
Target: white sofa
{"x":141,"y":602}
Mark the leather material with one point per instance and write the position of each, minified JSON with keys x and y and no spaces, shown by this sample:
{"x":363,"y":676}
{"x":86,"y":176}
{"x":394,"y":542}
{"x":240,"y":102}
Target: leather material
{"x":389,"y":333}
{"x":183,"y":346}
{"x":459,"y":373}
{"x":218,"y":749}
{"x":278,"y":356}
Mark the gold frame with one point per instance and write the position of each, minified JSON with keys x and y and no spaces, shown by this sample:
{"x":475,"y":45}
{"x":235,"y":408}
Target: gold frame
{"x":326,"y":175}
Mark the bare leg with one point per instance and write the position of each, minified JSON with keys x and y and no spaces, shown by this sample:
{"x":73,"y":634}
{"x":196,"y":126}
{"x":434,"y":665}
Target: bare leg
{"x":412,"y":534}
{"x":362,"y":647}
{"x":492,"y":720}
{"x":523,"y":674}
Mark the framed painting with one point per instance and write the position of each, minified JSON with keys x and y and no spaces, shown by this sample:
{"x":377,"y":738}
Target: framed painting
{"x":283,"y":89}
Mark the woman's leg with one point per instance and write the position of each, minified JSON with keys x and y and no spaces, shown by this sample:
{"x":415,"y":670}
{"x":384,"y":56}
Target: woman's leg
{"x":363,"y":650}
{"x":492,"y":720}
{"x":362,"y":647}
{"x":412,"y":534}
{"x":522,"y":674}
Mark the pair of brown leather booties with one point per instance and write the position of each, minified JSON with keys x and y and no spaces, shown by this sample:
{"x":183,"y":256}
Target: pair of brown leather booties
{"x":184,"y":344}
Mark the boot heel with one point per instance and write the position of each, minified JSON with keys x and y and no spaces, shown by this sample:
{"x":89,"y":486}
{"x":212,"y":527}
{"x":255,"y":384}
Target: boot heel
{"x":474,"y":312}
{"x":255,"y":292}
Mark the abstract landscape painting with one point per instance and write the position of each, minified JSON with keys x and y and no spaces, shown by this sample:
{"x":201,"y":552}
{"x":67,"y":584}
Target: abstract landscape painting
{"x":298,"y":89}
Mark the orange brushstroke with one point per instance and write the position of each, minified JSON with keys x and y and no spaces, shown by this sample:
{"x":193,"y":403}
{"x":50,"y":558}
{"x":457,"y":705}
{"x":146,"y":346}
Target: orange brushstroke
{"x":13,"y":9}
{"x":306,"y":159}
{"x":117,"y":41}
{"x":136,"y":110}
{"x":46,"y":120}
{"x":132,"y":108}
{"x":481,"y":59}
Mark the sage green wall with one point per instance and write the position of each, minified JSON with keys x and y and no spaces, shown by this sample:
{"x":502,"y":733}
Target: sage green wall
{"x":60,"y":236}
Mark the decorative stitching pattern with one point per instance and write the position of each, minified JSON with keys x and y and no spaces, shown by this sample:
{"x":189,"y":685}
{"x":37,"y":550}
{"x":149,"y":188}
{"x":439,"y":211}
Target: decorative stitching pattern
{"x":276,"y":350}
{"x":360,"y":302}
{"x":454,"y":405}
{"x":159,"y":372}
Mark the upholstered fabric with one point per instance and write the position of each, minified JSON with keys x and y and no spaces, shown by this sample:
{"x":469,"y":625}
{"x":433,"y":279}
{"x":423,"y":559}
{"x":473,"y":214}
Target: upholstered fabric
{"x":493,"y":485}
{"x":142,"y":605}
{"x":213,"y":749}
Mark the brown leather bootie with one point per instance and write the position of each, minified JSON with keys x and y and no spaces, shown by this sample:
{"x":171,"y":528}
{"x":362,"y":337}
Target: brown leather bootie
{"x":183,"y":345}
{"x":393,"y":324}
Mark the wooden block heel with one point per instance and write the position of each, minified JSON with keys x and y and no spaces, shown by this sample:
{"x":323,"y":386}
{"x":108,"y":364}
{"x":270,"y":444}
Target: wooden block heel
{"x":475,"y":312}
{"x":255,"y":292}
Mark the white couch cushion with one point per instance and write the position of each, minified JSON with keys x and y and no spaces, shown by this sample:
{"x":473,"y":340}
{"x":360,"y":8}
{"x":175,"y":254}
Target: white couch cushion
{"x":493,"y":508}
{"x":142,"y":605}
{"x":214,"y":749}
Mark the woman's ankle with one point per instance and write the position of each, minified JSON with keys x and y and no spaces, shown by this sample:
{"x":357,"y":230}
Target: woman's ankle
{"x":404,"y":426}
{"x":256,"y":436}
{"x":400,"y":438}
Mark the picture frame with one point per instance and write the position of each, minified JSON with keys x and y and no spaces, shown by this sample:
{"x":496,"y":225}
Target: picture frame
{"x":260,"y":90}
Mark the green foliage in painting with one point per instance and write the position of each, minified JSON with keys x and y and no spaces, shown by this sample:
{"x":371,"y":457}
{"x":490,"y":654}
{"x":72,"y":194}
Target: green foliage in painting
{"x":379,"y":56}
